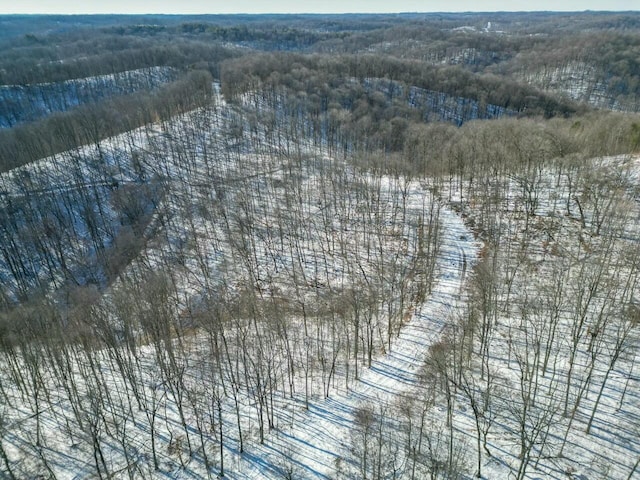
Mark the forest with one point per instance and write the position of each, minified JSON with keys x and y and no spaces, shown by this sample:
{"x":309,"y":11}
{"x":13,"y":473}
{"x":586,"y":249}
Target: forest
{"x":320,"y":246}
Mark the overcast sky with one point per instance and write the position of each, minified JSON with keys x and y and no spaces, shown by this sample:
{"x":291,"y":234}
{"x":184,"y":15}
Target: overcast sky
{"x":304,"y":6}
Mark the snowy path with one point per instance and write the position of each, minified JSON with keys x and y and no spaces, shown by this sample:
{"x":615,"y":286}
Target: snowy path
{"x":321,"y":435}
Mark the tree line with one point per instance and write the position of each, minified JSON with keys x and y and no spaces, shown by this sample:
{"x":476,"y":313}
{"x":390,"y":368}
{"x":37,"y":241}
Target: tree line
{"x":92,"y":123}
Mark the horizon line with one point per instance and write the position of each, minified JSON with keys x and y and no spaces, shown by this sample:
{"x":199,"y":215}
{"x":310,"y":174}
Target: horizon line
{"x":66,"y":14}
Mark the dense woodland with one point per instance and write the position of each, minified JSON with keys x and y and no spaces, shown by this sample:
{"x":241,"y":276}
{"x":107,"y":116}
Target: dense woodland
{"x":320,"y":246}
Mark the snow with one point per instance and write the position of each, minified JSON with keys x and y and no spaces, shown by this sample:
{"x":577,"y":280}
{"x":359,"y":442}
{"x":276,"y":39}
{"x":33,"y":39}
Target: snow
{"x":439,"y":106}
{"x":580,"y":81}
{"x":320,"y":435}
{"x":23,"y":103}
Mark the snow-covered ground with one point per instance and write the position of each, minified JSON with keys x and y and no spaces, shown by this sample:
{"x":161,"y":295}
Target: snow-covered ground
{"x":328,"y":237}
{"x":580,"y":81}
{"x":318,"y":443}
{"x":23,"y":103}
{"x":227,"y":330}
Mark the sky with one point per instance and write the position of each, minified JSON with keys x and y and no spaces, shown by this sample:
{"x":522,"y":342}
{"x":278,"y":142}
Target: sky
{"x":304,"y":6}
